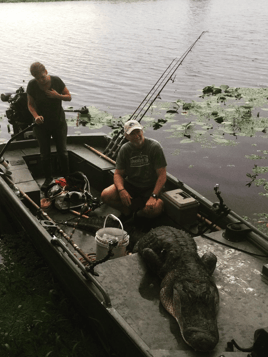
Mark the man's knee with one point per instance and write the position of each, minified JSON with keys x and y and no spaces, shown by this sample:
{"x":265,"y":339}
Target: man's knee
{"x":107,"y":194}
{"x":104,"y":195}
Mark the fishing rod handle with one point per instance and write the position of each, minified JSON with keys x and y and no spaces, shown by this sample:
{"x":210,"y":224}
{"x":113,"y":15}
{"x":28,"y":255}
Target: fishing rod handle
{"x":14,"y":137}
{"x":4,"y":163}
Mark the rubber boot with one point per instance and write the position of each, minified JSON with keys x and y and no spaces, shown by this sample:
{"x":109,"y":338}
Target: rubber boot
{"x":64,"y":164}
{"x":48,"y":174}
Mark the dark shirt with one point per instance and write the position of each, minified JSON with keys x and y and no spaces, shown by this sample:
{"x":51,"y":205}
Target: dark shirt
{"x":50,"y":108}
{"x":140,"y":165}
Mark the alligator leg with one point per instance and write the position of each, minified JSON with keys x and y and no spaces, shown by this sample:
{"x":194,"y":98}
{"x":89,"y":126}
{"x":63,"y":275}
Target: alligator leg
{"x":210,"y":260}
{"x":152,"y":259}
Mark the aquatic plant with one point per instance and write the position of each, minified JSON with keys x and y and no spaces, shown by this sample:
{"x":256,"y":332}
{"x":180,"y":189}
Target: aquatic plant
{"x":221,"y":116}
{"x":95,"y":119}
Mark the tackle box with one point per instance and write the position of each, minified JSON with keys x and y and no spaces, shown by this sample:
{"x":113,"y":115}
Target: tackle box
{"x":180,"y":206}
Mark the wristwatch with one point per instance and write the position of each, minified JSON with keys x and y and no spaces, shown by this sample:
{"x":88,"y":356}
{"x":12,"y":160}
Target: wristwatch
{"x":154,"y":196}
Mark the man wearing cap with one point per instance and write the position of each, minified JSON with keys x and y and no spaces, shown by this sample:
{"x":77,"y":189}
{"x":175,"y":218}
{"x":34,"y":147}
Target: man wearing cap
{"x":140,"y":175}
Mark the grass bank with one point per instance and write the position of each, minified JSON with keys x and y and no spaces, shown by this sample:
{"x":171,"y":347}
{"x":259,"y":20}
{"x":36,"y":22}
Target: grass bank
{"x":37,"y":320}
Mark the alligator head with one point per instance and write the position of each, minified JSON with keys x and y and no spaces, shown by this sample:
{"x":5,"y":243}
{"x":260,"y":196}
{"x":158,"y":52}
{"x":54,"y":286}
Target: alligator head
{"x":194,"y":304}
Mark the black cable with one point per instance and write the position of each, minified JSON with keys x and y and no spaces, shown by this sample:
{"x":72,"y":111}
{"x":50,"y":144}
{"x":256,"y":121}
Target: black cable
{"x":235,"y":248}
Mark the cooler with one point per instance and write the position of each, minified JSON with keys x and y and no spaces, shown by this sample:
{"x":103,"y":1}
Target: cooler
{"x":180,"y":206}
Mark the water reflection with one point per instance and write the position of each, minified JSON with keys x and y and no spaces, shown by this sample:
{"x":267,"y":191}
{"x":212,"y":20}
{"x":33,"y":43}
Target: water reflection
{"x":110,"y":53}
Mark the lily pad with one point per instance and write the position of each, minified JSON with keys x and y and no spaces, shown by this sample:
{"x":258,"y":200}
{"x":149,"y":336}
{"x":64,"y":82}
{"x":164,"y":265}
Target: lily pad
{"x":148,"y":119}
{"x":186,"y":141}
{"x":200,"y":132}
{"x":259,"y":129}
{"x":178,"y":127}
{"x":224,"y":87}
{"x":221,"y":141}
{"x":187,"y":106}
{"x":175,"y":111}
{"x":219,"y":119}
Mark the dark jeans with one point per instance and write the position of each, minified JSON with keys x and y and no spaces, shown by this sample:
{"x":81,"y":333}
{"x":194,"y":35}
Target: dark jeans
{"x":59,"y":134}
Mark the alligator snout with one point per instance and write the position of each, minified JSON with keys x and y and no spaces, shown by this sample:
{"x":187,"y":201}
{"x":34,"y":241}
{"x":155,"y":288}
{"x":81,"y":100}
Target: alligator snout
{"x":200,"y":340}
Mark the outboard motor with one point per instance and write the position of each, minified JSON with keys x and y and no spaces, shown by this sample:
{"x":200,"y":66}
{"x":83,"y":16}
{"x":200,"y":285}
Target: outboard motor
{"x":18,"y":113}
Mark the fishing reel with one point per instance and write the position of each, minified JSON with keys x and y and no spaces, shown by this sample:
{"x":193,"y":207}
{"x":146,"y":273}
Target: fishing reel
{"x":18,"y":113}
{"x":64,"y":201}
{"x":219,"y":207}
{"x":82,"y":199}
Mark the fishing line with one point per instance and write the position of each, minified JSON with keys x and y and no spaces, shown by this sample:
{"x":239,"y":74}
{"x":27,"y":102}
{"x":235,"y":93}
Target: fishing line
{"x":167,"y":78}
{"x":235,"y":248}
{"x":152,"y":89}
{"x":114,"y":145}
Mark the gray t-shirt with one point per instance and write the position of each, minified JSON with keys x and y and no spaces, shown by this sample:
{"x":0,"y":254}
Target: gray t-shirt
{"x":140,"y":164}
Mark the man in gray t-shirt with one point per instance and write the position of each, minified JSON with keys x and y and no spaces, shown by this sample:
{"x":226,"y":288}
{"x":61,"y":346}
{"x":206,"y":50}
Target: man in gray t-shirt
{"x":140,"y":175}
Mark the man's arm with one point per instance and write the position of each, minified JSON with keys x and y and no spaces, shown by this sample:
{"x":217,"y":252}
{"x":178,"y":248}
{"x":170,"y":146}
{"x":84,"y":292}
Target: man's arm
{"x":154,"y":204}
{"x":119,"y":184}
{"x":119,"y":179}
{"x":161,"y":180}
{"x":31,"y":106}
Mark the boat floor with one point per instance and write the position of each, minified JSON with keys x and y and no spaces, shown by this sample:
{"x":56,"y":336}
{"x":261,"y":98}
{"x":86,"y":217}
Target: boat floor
{"x":134,"y":292}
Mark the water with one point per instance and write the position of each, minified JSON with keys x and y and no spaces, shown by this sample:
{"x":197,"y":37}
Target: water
{"x":110,"y":53}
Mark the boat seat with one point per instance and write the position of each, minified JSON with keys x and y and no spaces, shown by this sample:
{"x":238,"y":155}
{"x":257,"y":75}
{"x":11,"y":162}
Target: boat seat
{"x":22,"y":176}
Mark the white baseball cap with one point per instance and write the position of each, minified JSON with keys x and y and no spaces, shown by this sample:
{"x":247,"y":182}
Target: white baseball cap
{"x":131,"y":125}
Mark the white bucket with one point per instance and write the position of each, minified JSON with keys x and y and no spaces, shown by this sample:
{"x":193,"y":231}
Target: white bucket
{"x":105,"y":234}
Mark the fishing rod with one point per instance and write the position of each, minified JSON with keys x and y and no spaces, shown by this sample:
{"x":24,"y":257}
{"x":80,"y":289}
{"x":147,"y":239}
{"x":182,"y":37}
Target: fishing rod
{"x":152,"y":89}
{"x":14,"y":137}
{"x":84,"y":110}
{"x":169,"y":76}
{"x":156,"y":94}
{"x":108,"y":149}
{"x":51,"y":222}
{"x":112,"y":144}
{"x":115,"y":144}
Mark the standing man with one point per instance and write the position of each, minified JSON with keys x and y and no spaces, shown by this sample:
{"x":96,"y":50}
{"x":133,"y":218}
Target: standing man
{"x":140,"y":175}
{"x":45,"y":94}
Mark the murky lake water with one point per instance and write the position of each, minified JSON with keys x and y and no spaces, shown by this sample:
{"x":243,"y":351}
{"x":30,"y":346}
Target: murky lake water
{"x":110,"y":53}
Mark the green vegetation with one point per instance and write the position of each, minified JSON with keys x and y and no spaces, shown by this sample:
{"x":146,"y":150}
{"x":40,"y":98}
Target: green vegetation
{"x":95,"y":119}
{"x":37,"y":320}
{"x":221,"y":116}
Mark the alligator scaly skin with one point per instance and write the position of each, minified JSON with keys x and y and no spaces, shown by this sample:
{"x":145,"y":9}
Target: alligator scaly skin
{"x":187,"y":290}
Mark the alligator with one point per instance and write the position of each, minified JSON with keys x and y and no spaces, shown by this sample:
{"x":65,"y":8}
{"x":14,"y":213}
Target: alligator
{"x":187,"y":290}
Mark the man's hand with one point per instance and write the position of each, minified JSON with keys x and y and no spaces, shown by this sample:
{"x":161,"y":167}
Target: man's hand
{"x":150,"y":204}
{"x":125,"y":198}
{"x":39,"y":120}
{"x":52,"y":93}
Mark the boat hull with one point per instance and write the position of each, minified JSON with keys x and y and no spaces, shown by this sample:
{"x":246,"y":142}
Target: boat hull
{"x":99,"y":298}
